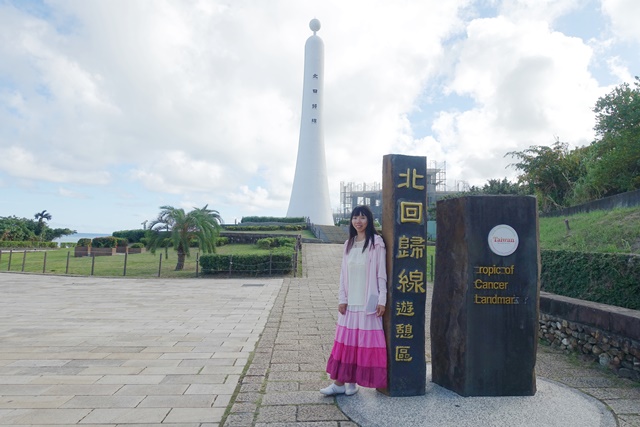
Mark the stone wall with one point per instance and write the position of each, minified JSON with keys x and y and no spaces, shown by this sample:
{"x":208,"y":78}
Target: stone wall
{"x":102,"y":251}
{"x":622,"y":200}
{"x":607,"y":334}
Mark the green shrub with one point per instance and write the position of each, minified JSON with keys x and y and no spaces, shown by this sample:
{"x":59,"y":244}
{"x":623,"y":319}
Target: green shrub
{"x":27,"y":244}
{"x":296,"y":227}
{"x":265,"y":243}
{"x":271,"y":227}
{"x":276,"y":242}
{"x":284,"y":241}
{"x":272,"y":219}
{"x":253,"y":227}
{"x":84,"y":243}
{"x":132,"y":236}
{"x":137,"y":245}
{"x":277,"y":262}
{"x":221,"y":241}
{"x":104,"y":242}
{"x":122,"y":242}
{"x":612,"y":279}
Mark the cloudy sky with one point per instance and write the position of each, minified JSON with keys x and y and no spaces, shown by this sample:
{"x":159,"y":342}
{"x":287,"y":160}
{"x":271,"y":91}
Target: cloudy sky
{"x":111,"y":109}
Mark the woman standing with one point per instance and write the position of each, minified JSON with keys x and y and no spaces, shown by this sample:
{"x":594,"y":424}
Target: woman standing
{"x":359,"y":354}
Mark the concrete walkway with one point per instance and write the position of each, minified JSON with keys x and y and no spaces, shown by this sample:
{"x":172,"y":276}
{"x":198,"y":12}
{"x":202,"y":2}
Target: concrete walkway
{"x":281,"y":386}
{"x":157,"y":352}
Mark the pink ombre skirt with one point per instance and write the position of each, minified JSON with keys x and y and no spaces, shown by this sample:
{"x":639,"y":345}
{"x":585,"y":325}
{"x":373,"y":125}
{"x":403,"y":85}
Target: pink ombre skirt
{"x":359,"y":353}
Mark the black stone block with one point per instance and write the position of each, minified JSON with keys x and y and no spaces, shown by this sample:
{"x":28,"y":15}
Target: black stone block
{"x":484,"y":316}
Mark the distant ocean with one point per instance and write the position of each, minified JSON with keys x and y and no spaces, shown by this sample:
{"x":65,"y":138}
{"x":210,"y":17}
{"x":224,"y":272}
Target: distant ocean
{"x":73,"y":238}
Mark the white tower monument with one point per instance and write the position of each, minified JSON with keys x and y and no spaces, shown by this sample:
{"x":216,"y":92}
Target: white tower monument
{"x":310,"y":192}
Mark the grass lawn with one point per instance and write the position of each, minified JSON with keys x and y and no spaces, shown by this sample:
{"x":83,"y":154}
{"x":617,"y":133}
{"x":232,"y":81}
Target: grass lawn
{"x":145,"y":265}
{"x":614,"y":231}
{"x":62,"y":261}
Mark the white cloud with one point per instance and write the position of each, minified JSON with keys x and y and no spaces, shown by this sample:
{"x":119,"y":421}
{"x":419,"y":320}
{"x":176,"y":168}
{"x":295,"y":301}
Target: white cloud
{"x":21,"y":163}
{"x":177,"y":172}
{"x":530,"y":84}
{"x":254,"y":201}
{"x":619,"y":69}
{"x":71,"y":194}
{"x":536,"y":10}
{"x":173,"y":102}
{"x":624,"y":17}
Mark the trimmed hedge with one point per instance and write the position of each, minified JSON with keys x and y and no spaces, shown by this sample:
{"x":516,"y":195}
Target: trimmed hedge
{"x":276,"y":242}
{"x":272,"y":219}
{"x":272,"y":227}
{"x":105,"y":242}
{"x":278,"y":262}
{"x":612,"y":279}
{"x":27,"y":245}
{"x":250,"y":238}
{"x":83,"y":243}
{"x":132,"y":236}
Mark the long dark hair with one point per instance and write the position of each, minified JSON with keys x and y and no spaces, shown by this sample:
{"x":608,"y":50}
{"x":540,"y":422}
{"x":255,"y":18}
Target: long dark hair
{"x":370,"y":231}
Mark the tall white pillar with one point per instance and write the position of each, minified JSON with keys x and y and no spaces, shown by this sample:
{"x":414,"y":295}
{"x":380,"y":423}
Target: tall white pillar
{"x":310,"y":192}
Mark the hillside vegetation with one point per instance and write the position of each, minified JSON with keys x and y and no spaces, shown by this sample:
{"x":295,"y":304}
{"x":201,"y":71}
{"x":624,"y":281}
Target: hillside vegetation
{"x":614,"y":231}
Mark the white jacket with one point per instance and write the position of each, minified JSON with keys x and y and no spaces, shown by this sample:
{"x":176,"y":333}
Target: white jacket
{"x":376,"y":275}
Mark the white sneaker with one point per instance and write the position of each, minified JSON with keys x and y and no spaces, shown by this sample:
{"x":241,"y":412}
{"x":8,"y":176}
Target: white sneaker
{"x":351,"y":389}
{"x":333,"y":389}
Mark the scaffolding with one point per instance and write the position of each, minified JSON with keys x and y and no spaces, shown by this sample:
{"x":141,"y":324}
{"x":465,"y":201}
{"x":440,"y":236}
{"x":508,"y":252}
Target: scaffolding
{"x":461,"y":186}
{"x":436,"y":181}
{"x":354,"y":194}
{"x":437,"y":174}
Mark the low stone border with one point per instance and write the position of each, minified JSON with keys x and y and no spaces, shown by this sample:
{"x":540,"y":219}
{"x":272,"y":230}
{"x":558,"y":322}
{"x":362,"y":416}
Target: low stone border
{"x":609,"y":335}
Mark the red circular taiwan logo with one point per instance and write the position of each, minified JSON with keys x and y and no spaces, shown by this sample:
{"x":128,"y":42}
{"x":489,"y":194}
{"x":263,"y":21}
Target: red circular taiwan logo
{"x":503,"y":240}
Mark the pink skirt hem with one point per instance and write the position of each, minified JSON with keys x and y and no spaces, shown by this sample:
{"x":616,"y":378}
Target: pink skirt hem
{"x":359,"y":353}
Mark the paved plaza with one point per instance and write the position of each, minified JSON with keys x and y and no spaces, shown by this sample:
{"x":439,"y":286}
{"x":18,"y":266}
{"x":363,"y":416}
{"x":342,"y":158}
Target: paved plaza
{"x":210,"y":352}
{"x":99,"y":351}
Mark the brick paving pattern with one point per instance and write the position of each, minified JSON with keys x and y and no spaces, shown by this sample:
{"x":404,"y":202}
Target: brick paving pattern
{"x":111,"y":352}
{"x":198,"y":353}
{"x":291,"y":357}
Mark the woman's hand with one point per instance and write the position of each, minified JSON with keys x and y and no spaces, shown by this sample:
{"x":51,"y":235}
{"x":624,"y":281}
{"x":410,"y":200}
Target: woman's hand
{"x":342,"y":308}
{"x":379,"y":310}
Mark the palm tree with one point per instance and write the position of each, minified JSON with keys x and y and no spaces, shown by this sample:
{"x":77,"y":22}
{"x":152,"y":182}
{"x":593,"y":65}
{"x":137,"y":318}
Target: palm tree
{"x":180,"y":228}
{"x":41,"y":217}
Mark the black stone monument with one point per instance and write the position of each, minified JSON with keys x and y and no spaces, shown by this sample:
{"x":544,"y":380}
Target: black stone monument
{"x":404,"y":229}
{"x":484,"y":316}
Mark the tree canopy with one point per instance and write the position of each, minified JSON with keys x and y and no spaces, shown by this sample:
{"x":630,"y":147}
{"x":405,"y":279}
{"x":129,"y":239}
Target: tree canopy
{"x":17,"y":229}
{"x":496,"y":186}
{"x":550,"y":173}
{"x":615,"y":157}
{"x":610,"y":165}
